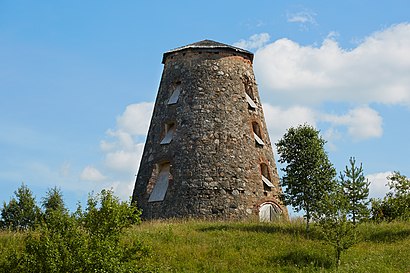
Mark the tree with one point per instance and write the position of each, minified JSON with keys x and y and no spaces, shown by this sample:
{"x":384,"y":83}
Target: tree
{"x":21,"y":212}
{"x":356,"y":189}
{"x":308,"y":174}
{"x":87,"y":241}
{"x":53,"y":201}
{"x":396,"y":203}
{"x":333,"y":221}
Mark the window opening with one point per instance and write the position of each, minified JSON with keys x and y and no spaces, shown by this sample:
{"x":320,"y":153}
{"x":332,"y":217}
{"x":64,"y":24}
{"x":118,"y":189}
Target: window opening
{"x":269,"y":212}
{"x":250,"y":101}
{"x":266,"y":179}
{"x":249,"y":92}
{"x":175,"y":94}
{"x":169,"y":133}
{"x":161,"y":184}
{"x":257,"y":133}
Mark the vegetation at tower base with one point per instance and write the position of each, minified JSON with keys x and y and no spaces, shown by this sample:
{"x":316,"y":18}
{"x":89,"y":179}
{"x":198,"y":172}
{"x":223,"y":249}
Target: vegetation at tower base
{"x":356,"y":189}
{"x":396,"y":204}
{"x":86,"y":241}
{"x":62,"y":243}
{"x":21,"y":212}
{"x":308,"y":174}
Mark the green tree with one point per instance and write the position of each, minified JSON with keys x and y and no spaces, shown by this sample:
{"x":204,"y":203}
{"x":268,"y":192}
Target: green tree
{"x":333,"y":221}
{"x":396,"y":203}
{"x":53,"y":201}
{"x":21,"y":212}
{"x":356,"y":189}
{"x":308,"y":174}
{"x":87,"y":241}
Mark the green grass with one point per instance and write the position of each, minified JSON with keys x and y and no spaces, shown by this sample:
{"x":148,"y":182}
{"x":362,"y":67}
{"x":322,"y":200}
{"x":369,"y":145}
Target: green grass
{"x":198,"y":246}
{"x":195,"y":246}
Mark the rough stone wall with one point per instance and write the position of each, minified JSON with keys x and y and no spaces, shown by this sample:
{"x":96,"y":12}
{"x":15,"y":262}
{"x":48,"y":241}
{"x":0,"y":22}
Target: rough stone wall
{"x":215,"y":161}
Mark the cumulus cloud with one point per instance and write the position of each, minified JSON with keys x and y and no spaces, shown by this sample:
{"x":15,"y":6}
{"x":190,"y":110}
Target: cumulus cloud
{"x":378,"y":184}
{"x":122,"y":149}
{"x":376,"y":71}
{"x":91,"y":174}
{"x":362,"y":122}
{"x":254,"y":42}
{"x":135,"y":119}
{"x":279,"y":119}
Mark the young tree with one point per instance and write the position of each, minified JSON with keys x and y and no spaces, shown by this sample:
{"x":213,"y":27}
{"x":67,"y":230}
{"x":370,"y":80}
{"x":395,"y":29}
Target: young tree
{"x":333,"y":221}
{"x":308,"y":174}
{"x":21,"y":212}
{"x":53,"y":202}
{"x":356,"y":189}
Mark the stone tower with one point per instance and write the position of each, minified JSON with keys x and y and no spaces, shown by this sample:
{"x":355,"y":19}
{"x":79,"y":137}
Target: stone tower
{"x":208,"y":153}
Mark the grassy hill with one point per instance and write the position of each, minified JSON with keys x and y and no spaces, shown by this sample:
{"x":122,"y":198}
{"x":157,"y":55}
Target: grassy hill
{"x":194,"y":246}
{"x":198,"y":246}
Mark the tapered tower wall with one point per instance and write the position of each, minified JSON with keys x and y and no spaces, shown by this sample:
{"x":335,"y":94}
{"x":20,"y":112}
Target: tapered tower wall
{"x":207,"y":153}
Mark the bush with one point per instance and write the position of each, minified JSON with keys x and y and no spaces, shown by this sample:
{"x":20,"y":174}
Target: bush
{"x":87,"y":241}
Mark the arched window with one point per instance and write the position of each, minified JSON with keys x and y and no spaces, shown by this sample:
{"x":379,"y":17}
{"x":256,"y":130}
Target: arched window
{"x":175,"y":93}
{"x":161,"y":179}
{"x":169,"y":131}
{"x":266,"y":178}
{"x":269,"y":212}
{"x":257,"y":133}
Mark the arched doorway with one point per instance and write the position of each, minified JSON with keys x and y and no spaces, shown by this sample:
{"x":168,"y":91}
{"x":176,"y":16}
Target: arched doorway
{"x":269,"y":212}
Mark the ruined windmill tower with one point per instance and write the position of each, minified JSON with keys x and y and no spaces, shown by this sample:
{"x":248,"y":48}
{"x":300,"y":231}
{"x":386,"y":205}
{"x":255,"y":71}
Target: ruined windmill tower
{"x":208,"y":153}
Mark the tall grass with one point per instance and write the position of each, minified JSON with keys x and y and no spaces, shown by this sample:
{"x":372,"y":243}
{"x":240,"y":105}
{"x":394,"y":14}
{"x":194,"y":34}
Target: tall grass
{"x":200,"y":246}
{"x":196,"y":246}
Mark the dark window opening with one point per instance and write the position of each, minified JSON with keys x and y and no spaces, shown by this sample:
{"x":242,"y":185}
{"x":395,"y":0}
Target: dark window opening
{"x":175,"y":93}
{"x":266,"y":178}
{"x":159,"y":182}
{"x":257,"y":133}
{"x":169,"y":131}
{"x":250,"y":98}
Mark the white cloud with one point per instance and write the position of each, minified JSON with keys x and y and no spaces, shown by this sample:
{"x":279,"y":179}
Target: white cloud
{"x":362,"y":122}
{"x":254,"y":42}
{"x":125,"y":160}
{"x":279,"y":119}
{"x":376,"y":71}
{"x":302,"y":17}
{"x":122,"y":150}
{"x":91,"y":174}
{"x":136,"y":118}
{"x":378,"y":182}
{"x":122,"y":189}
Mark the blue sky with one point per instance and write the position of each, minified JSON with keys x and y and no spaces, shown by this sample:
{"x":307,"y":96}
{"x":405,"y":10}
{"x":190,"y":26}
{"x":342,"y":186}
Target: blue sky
{"x":78,"y":80}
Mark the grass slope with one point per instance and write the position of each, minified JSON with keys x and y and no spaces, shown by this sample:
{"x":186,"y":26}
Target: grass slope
{"x":194,"y":246}
{"x":197,"y":246}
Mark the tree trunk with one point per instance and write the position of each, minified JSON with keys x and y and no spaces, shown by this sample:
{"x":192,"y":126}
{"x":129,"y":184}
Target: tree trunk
{"x":307,"y":224}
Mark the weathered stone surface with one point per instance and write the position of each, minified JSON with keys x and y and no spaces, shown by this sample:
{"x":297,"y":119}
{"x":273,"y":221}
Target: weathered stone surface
{"x":215,"y":163}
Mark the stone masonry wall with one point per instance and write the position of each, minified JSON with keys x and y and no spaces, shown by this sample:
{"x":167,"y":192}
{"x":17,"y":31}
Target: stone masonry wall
{"x":215,"y":162}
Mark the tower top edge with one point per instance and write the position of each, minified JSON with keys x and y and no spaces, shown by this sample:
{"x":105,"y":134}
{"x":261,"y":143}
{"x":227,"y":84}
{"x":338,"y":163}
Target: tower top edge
{"x":209,"y":45}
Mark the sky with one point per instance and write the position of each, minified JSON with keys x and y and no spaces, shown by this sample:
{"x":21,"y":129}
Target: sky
{"x":78,"y":80}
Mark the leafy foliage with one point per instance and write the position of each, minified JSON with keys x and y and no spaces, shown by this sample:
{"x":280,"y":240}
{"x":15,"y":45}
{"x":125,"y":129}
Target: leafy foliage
{"x":396,"y":203}
{"x":334,"y":223}
{"x":87,"y":241}
{"x":308,"y":174}
{"x":20,"y":213}
{"x":356,"y":190}
{"x":53,"y":201}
